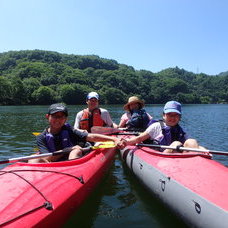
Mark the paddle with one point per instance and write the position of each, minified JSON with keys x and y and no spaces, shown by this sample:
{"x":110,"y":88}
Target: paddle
{"x":111,"y":131}
{"x":98,"y":145}
{"x":105,"y":131}
{"x":183,"y":148}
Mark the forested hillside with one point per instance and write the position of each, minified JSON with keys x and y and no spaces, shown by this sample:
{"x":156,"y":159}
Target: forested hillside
{"x":44,"y":77}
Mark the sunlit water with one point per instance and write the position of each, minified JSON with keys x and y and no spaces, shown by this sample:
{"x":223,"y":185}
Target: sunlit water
{"x":119,"y":200}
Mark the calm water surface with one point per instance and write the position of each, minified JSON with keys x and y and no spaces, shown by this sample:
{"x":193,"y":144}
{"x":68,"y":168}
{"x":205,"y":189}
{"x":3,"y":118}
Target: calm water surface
{"x":119,"y":200}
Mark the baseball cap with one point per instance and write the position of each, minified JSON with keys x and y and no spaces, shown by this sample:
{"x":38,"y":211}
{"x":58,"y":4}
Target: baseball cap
{"x":92,"y":95}
{"x":59,"y":107}
{"x":172,"y":106}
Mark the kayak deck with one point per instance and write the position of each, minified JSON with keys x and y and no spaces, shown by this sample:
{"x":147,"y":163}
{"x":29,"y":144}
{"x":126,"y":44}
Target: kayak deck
{"x":203,"y":176}
{"x":45,"y":194}
{"x":191,"y":184}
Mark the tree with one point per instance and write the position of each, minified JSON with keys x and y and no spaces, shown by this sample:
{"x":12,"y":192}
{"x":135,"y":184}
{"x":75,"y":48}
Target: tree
{"x":44,"y":95}
{"x":74,"y":93}
{"x":112,"y":96}
{"x":81,"y":93}
{"x":6,"y":91}
{"x":24,"y":72}
{"x":28,"y":70}
{"x":6,"y":63}
{"x":73,"y":76}
{"x":67,"y":94}
{"x":205,"y":100}
{"x":30,"y":85}
{"x":18,"y":91}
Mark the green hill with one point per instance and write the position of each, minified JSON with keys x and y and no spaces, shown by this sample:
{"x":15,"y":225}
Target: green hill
{"x":44,"y":77}
{"x":224,"y":73}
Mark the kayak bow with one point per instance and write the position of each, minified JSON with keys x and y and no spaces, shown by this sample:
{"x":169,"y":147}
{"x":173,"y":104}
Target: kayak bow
{"x":192,"y":185}
{"x":46,"y":194}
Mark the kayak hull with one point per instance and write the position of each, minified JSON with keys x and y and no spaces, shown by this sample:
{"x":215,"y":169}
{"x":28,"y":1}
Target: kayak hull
{"x":184,"y":183}
{"x":46,"y":194}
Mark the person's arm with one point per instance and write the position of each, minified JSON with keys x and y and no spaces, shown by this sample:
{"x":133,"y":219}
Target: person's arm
{"x":123,"y":121}
{"x":107,"y":118}
{"x":137,"y":139}
{"x":152,"y":132}
{"x":41,"y":143}
{"x":77,"y":120}
{"x":114,"y":125}
{"x":150,"y":117}
{"x":99,"y":137}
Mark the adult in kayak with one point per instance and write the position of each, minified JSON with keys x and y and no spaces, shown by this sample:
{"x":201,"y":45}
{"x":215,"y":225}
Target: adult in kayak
{"x":59,"y":135}
{"x":93,"y":115}
{"x":135,"y":117}
{"x":167,"y":131}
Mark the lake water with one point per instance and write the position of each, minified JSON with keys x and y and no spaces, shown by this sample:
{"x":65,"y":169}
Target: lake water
{"x":119,"y":200}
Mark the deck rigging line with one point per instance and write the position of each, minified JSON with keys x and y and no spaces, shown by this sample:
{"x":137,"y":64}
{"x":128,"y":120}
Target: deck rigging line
{"x":47,"y":204}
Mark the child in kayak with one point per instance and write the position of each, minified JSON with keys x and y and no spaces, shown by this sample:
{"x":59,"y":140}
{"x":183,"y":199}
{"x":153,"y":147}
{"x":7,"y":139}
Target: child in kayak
{"x":61,"y":136}
{"x":135,"y":117}
{"x":167,"y":132}
{"x":93,"y":115}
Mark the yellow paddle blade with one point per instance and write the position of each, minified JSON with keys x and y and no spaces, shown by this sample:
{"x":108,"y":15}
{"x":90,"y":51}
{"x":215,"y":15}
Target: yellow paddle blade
{"x":36,"y":133}
{"x":108,"y":144}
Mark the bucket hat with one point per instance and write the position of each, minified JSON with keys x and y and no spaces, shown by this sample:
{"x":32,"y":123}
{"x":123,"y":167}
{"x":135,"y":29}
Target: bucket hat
{"x":132,"y":100}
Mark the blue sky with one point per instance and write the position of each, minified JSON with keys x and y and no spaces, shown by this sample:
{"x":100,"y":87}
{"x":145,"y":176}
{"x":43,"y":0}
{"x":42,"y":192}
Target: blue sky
{"x":146,"y":34}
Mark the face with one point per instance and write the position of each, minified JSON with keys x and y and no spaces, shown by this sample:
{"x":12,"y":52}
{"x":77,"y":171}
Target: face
{"x":92,"y":103}
{"x":134,"y":106}
{"x":171,"y":118}
{"x":56,"y":120}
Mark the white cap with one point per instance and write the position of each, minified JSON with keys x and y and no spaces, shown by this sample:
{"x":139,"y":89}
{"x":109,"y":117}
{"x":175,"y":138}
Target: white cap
{"x":92,"y":95}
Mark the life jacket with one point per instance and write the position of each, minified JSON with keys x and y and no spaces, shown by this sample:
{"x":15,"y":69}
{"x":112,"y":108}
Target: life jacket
{"x":139,"y":120}
{"x":64,"y":137}
{"x":90,"y":119}
{"x":170,"y":134}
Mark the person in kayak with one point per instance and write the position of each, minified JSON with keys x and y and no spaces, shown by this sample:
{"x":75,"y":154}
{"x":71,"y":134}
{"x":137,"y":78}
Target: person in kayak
{"x":166,"y":132}
{"x":135,"y":117}
{"x":59,"y":135}
{"x":93,"y":115}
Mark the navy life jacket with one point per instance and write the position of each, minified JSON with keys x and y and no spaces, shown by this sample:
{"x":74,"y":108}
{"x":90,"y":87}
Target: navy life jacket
{"x":64,"y":138}
{"x":139,"y":119}
{"x":170,"y":134}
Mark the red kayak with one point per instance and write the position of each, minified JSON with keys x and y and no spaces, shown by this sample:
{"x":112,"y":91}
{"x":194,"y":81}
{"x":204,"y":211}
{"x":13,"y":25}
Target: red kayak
{"x":192,"y":185}
{"x":45,"y":194}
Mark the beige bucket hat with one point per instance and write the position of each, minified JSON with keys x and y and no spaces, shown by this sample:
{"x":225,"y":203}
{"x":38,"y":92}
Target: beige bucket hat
{"x":132,"y":100}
